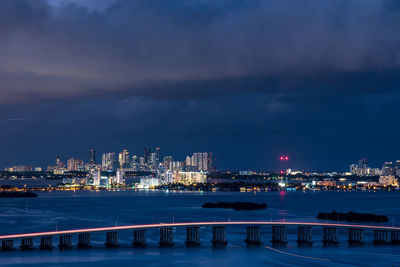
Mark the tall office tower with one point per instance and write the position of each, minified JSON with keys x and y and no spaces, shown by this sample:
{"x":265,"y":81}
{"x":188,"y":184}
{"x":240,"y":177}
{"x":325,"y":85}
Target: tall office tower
{"x":96,"y":177}
{"x":362,"y":167}
{"x":146,"y":154}
{"x":153,"y":159}
{"x":157,"y":155}
{"x":387,"y":168}
{"x":207,"y":161}
{"x":188,"y":161}
{"x":124,"y":159}
{"x":92,"y":156}
{"x":168,"y":162}
{"x":120,"y":177}
{"x":108,"y":161}
{"x":194,"y":159}
{"x":134,"y":163}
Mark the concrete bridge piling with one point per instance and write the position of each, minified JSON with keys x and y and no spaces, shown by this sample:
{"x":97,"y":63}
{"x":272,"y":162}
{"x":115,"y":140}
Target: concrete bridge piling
{"x":26,"y":243}
{"x":395,"y":237}
{"x":253,"y":235}
{"x":219,"y":236}
{"x":192,"y":236}
{"x":304,"y":234}
{"x":166,"y":236}
{"x":65,"y":241}
{"x":356,"y":236}
{"x":46,"y":242}
{"x":330,"y":236}
{"x":139,"y":238}
{"x":279,"y":234}
{"x":381,"y":237}
{"x":7,"y":244}
{"x":84,"y":240}
{"x":112,"y":239}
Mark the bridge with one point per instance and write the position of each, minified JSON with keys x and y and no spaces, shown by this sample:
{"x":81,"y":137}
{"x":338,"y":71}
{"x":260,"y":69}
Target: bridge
{"x":382,"y":234}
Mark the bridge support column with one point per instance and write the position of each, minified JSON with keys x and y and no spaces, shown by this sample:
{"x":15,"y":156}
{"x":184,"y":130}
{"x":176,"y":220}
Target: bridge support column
{"x":112,"y":239}
{"x":46,"y":242}
{"x":84,"y":240}
{"x":139,"y":238}
{"x":380,"y":236}
{"x":330,"y":236}
{"x":7,"y":244}
{"x":65,"y":241}
{"x":219,"y":236}
{"x":166,"y":236}
{"x":279,"y":234}
{"x":26,"y":243}
{"x":395,"y":237}
{"x":253,"y":235}
{"x":356,"y":236}
{"x":304,"y":235}
{"x":193,"y":236}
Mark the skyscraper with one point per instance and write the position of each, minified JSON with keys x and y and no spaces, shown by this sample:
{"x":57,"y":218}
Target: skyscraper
{"x":92,"y":156}
{"x":146,"y":154}
{"x":124,"y":159}
{"x":108,"y":161}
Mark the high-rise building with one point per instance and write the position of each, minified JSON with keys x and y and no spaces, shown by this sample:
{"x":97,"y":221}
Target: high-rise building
{"x":108,"y":161}
{"x":124,"y":159}
{"x":146,"y":154}
{"x":202,"y":161}
{"x":168,"y":162}
{"x":387,"y":169}
{"x":96,"y":177}
{"x":92,"y":159}
{"x":398,"y":168}
{"x":75,"y":164}
{"x":157,"y":161}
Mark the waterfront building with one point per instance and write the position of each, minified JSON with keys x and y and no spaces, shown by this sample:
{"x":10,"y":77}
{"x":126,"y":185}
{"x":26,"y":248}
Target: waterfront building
{"x":188,"y":178}
{"x":120,"y":177}
{"x":96,"y":177}
{"x":202,"y":161}
{"x":388,"y":180}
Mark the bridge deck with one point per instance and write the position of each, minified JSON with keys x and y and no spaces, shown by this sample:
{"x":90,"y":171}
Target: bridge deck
{"x":184,"y":224}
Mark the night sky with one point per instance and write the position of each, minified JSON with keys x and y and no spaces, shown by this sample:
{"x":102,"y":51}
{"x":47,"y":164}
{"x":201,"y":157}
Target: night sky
{"x":245,"y":79}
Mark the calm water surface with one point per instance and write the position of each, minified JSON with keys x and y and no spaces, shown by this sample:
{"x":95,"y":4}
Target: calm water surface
{"x":67,"y":210}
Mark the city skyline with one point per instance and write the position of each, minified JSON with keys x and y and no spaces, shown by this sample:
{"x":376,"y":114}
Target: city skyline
{"x":203,"y":76}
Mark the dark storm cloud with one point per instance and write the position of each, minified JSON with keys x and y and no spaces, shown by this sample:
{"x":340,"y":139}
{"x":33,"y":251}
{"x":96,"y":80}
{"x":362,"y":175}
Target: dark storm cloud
{"x":175,"y":49}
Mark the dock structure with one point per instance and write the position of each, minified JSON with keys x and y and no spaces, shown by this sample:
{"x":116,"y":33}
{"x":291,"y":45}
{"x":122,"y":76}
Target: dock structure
{"x":65,"y":241}
{"x":330,"y":236}
{"x":304,"y":234}
{"x":381,"y":237}
{"x":139,"y":238}
{"x":192,"y":236}
{"x":253,"y":235}
{"x":219,"y":235}
{"x":166,"y":236}
{"x":112,"y":240}
{"x":26,"y":243}
{"x":382,"y":234}
{"x":46,"y":242}
{"x":84,"y":240}
{"x":279,"y":234}
{"x":356,"y":236}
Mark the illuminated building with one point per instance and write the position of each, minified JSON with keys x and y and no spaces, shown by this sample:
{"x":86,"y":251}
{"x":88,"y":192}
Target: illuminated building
{"x":388,"y":180}
{"x":108,"y":161}
{"x":124,"y":159}
{"x":188,"y":178}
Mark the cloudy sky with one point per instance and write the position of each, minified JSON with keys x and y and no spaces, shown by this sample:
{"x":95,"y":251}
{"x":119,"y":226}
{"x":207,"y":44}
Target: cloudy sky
{"x":245,"y":79}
